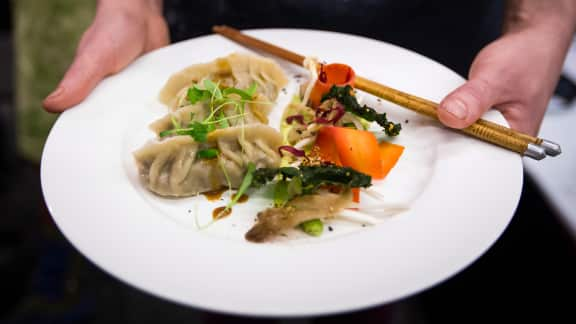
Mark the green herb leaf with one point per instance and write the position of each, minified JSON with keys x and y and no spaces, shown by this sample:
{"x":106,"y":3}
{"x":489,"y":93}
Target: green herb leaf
{"x":217,"y":98}
{"x":222,"y":120}
{"x":313,"y":227}
{"x":196,"y":94}
{"x":252,"y":89}
{"x":166,"y":133}
{"x":246,"y":182}
{"x":214,"y":89}
{"x":212,"y":92}
{"x":209,"y":153}
{"x":198,"y":131}
{"x":244,"y":94}
{"x":175,"y":123}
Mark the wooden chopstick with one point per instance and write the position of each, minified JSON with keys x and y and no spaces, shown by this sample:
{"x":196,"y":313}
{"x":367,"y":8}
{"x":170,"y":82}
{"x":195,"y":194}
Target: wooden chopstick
{"x":482,"y":129}
{"x":505,"y":137}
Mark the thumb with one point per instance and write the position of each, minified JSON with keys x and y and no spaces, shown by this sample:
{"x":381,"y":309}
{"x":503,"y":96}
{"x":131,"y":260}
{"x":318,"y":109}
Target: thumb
{"x":94,"y":60}
{"x":468,"y":103}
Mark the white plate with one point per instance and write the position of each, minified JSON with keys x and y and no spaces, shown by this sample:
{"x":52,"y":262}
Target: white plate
{"x":462,"y":194}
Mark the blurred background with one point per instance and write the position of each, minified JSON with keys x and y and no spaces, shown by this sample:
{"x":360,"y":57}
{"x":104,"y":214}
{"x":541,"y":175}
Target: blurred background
{"x":529,"y":273}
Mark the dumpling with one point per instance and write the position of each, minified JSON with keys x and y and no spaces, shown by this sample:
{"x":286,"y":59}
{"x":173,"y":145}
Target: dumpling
{"x":267,"y":74}
{"x":256,"y":112}
{"x":234,"y":70}
{"x":171,"y":167}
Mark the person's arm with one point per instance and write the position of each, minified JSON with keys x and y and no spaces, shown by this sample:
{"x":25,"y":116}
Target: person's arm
{"x":121,"y":31}
{"x":517,"y":73}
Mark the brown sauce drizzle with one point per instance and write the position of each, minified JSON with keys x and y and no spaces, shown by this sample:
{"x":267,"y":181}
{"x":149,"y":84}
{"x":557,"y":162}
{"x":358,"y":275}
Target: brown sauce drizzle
{"x":242,"y":199}
{"x":214,"y":194}
{"x":221,"y":212}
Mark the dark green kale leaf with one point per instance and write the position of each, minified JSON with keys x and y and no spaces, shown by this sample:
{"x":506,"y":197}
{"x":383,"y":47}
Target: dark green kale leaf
{"x":313,"y":177}
{"x":345,"y":96}
{"x":263,"y":175}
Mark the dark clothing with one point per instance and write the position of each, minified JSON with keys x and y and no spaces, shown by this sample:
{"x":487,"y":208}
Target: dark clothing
{"x":448,"y":31}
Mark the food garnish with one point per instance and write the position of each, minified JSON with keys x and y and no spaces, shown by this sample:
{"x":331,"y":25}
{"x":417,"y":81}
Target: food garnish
{"x":246,"y":182}
{"x":329,"y":75}
{"x":216,"y":99}
{"x":349,"y":147}
{"x":198,"y":131}
{"x":345,"y":95}
{"x":313,"y":177}
{"x":209,"y":153}
{"x":389,"y":155}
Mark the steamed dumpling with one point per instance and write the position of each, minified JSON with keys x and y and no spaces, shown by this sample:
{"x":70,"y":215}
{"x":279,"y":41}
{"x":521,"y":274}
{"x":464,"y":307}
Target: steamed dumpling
{"x":171,"y":168}
{"x":234,"y":70}
{"x":256,"y":112}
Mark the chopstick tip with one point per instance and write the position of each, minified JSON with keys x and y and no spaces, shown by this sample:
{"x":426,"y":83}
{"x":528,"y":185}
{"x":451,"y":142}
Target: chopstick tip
{"x":551,"y":148}
{"x":535,"y":152}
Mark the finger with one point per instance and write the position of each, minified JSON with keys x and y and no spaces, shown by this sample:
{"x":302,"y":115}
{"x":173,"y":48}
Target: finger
{"x":93,"y":61}
{"x":468,"y":103}
{"x":97,"y":57}
{"x":82,"y":76}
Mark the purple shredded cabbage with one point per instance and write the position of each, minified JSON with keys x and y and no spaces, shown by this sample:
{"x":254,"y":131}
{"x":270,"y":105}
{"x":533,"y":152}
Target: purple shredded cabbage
{"x":298,"y":118}
{"x":291,"y":149}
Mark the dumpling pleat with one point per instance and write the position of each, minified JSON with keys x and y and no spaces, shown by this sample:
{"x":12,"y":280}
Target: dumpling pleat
{"x":170,"y":167}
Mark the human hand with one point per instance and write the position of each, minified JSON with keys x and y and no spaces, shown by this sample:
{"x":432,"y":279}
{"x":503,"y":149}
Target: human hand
{"x":516,"y":74}
{"x":120,"y":32}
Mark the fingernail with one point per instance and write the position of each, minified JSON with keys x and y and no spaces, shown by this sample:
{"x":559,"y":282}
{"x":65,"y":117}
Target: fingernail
{"x":457,"y":108}
{"x":55,"y":93}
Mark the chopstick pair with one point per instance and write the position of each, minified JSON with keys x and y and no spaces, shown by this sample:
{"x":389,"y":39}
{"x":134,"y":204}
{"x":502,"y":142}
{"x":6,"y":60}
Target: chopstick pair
{"x":526,"y":145}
